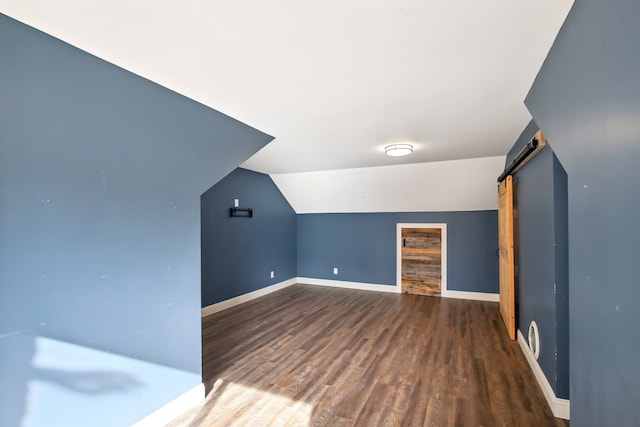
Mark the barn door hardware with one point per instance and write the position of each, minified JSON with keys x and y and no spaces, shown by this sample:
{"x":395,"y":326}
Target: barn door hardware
{"x":532,"y":148}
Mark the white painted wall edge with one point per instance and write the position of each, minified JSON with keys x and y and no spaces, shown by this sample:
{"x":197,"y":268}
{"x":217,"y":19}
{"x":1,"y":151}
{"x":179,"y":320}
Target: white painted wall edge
{"x":232,"y":302}
{"x":350,"y":285}
{"x":477,"y":296}
{"x":173,"y":409}
{"x":559,"y":407}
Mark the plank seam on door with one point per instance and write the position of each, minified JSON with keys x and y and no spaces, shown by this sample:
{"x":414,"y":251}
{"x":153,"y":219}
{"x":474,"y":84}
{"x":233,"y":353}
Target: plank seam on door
{"x":443,"y":248}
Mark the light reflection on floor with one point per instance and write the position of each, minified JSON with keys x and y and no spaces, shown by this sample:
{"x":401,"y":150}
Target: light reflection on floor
{"x":70,"y":385}
{"x":232,"y":404}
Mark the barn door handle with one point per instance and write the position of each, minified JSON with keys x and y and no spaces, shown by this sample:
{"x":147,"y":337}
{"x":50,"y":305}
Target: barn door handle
{"x":404,"y":243}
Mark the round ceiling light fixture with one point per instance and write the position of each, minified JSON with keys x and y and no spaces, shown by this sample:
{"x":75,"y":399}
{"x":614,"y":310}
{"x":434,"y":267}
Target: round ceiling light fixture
{"x":398,"y":150}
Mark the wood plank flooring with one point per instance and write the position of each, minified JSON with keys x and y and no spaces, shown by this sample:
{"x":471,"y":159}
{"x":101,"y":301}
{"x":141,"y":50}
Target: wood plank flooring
{"x":319,"y":356}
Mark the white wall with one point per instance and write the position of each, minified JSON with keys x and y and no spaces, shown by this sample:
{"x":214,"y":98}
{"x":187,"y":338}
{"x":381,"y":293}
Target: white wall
{"x":457,"y":185}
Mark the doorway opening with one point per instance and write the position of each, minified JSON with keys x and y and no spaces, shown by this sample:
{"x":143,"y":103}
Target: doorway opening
{"x":421,"y":259}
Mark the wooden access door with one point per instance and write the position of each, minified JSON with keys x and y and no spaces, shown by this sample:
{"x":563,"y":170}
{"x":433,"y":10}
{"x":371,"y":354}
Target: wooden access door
{"x":507,"y":255}
{"x":422,"y":261}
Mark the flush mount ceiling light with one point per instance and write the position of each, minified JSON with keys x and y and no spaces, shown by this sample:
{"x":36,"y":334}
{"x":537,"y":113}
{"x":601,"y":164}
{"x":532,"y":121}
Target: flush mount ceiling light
{"x":398,"y":150}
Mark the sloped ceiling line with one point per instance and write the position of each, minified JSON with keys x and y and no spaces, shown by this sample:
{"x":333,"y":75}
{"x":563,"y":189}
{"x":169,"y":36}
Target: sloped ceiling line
{"x":334,"y":81}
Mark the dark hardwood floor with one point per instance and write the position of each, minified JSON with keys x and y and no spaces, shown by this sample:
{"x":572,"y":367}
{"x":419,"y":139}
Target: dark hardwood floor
{"x":318,"y":356}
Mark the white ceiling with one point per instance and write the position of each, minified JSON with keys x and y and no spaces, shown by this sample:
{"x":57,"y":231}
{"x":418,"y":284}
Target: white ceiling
{"x":456,"y":185}
{"x":334,"y":80}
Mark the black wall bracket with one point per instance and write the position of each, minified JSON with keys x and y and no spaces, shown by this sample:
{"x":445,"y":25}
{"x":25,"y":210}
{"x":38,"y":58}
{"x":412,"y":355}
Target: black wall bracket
{"x":241,"y":212}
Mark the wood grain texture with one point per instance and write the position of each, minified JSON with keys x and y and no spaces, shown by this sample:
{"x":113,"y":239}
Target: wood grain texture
{"x":507,"y":255}
{"x":421,"y":261}
{"x":318,"y":356}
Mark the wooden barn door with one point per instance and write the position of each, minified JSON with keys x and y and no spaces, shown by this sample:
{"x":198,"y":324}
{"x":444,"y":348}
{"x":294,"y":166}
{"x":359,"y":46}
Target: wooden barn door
{"x":507,"y":255}
{"x":421,"y":261}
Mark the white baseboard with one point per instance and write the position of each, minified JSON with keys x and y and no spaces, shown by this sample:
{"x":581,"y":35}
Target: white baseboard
{"x":350,"y":285}
{"x":232,"y":302}
{"x":477,"y":296}
{"x":173,"y":409}
{"x":559,"y":407}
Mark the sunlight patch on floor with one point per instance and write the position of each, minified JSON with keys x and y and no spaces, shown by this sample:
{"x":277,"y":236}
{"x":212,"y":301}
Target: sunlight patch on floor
{"x":233,"y":404}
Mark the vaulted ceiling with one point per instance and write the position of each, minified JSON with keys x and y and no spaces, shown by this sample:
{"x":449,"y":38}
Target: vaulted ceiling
{"x":333,"y":81}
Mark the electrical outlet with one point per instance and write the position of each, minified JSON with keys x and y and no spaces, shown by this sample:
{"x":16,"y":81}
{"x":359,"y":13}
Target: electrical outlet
{"x":335,"y":270}
{"x":273,"y":274}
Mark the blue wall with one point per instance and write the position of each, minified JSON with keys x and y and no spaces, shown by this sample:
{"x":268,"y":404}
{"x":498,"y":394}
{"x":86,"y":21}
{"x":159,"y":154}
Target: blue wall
{"x":101,"y":174}
{"x":540,"y":188}
{"x":238,"y":254}
{"x":363,"y":247}
{"x":561,"y":252}
{"x":586,"y":100}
